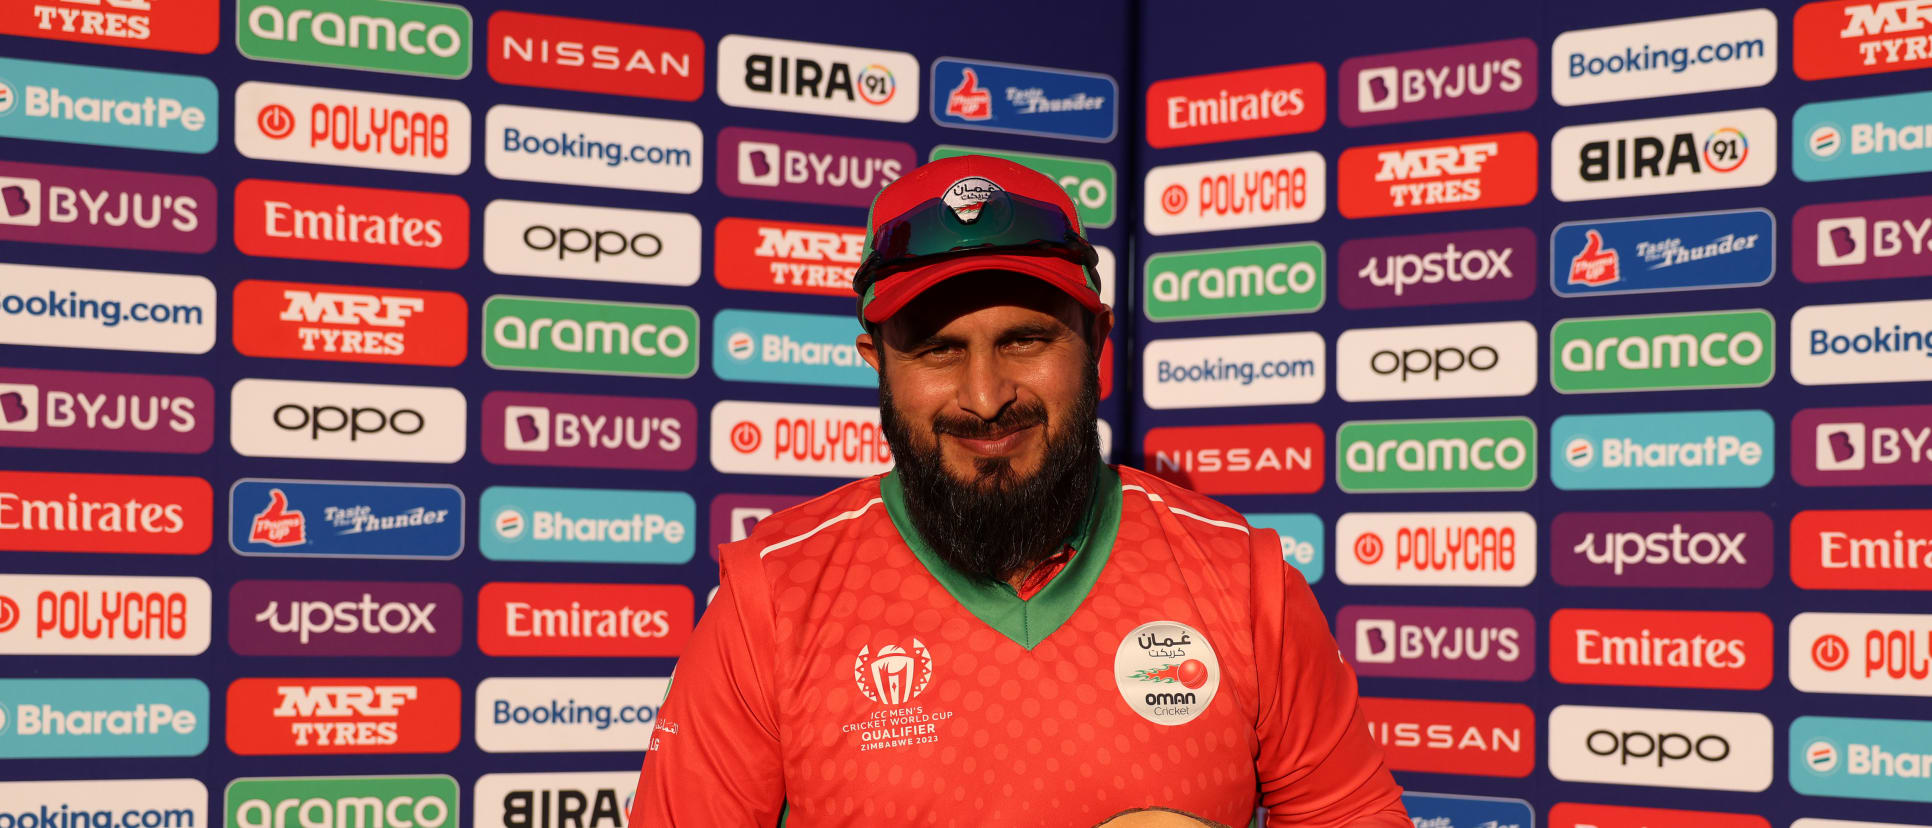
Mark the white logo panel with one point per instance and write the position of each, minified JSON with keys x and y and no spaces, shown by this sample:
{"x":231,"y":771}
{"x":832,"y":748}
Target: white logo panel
{"x":1862,"y":653}
{"x":317,"y":125}
{"x":104,"y":615}
{"x":346,"y":421}
{"x":1436,"y":549}
{"x":817,"y":78}
{"x":1732,"y":50}
{"x":608,"y":244}
{"x":798,"y":440}
{"x":1222,"y":371}
{"x":541,"y":715}
{"x":1654,"y":156}
{"x":1703,"y":749}
{"x":70,"y":307}
{"x":557,"y":146}
{"x":1862,"y":342}
{"x":1428,"y":362}
{"x":1263,"y":191}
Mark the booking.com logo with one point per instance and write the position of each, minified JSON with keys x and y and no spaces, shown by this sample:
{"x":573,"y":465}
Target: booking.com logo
{"x":1647,"y":59}
{"x":1244,"y":372}
{"x":569,"y":712}
{"x":612,"y":153}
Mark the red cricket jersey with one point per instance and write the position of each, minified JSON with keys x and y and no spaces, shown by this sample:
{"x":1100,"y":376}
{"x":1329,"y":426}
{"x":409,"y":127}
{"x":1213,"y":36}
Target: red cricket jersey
{"x":844,"y":676}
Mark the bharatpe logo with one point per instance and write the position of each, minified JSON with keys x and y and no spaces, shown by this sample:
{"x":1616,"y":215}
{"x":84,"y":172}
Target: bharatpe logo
{"x":529,"y":333}
{"x":402,"y":36}
{"x":1689,"y":251}
{"x":595,"y":56}
{"x":798,"y":348}
{"x":1438,"y":269}
{"x":1886,"y":239}
{"x":1841,"y":38}
{"x":191,"y":27}
{"x":317,"y":716}
{"x":393,"y":801}
{"x":1428,"y":810}
{"x":1263,"y":280}
{"x":1862,"y":137}
{"x":324,"y":222}
{"x":1475,"y":643}
{"x":555,"y":146}
{"x":1700,"y":749}
{"x":606,"y":244}
{"x":1028,"y":100}
{"x":586,"y":431}
{"x":107,"y":107}
{"x":587,"y":525}
{"x":344,"y":618}
{"x":1861,"y":758}
{"x":1459,"y":737}
{"x":817,"y":78}
{"x":330,"y":519}
{"x":1466,"y":455}
{"x":1646,"y":648}
{"x":1220,"y":371}
{"x":596,"y":799}
{"x":1697,"y":550}
{"x":1863,"y":342}
{"x":1889,"y":549}
{"x":1663,"y":352}
{"x":1869,"y":446}
{"x":1233,"y":106}
{"x":1470,"y":173}
{"x":800,"y":166}
{"x":1485,"y":359}
{"x":1660,"y":58}
{"x":1436,"y":549}
{"x":1672,"y":450}
{"x":1867,"y":654}
{"x":314,"y":125}
{"x":1089,"y":182}
{"x":95,"y":718}
{"x":543,"y":715}
{"x":106,"y":208}
{"x":1301,"y":538}
{"x":1445,"y":82}
{"x":114,"y":412}
{"x":1654,"y":156}
{"x":1235,"y":193}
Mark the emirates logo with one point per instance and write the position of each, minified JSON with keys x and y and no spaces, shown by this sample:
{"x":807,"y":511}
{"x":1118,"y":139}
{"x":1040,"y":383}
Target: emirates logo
{"x":893,"y":675}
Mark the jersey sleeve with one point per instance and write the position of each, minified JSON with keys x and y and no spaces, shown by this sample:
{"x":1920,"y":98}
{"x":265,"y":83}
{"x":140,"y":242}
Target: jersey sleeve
{"x":1317,"y":765}
{"x":714,"y":757}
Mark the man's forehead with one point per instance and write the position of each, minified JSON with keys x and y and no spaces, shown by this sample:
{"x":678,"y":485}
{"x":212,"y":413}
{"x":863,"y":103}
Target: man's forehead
{"x":990,"y":297}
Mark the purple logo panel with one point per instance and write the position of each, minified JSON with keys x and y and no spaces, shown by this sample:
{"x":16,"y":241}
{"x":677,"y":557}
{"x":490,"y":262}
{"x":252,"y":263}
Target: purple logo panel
{"x":107,"y":412}
{"x":798,"y":166}
{"x":1447,"y":82}
{"x":1887,"y":239}
{"x":344,"y":618}
{"x":53,"y":204}
{"x":1474,"y":643}
{"x":580,"y":430}
{"x":1438,"y":269}
{"x":1707,"y":550}
{"x":1875,"y":446}
{"x":734,"y":515}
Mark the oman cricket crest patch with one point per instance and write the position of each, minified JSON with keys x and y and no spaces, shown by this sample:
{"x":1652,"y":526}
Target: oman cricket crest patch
{"x":1167,"y":672}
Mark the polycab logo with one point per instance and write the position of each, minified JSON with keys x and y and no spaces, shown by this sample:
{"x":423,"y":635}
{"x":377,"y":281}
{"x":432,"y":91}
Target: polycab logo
{"x":104,"y":615}
{"x":1262,"y":280}
{"x":611,"y":620}
{"x":1889,"y":549}
{"x":330,"y":519}
{"x":601,"y":799}
{"x":343,"y":323}
{"x":401,"y":36}
{"x":798,"y":440}
{"x":1841,"y":38}
{"x":596,"y":56}
{"x":1863,"y":653}
{"x":786,"y":256}
{"x":1221,"y":371}
{"x":1467,"y":455}
{"x":1663,"y":352}
{"x":1702,"y":749}
{"x":1641,"y":648}
{"x":1672,"y":450}
{"x":1653,"y":156}
{"x":1875,"y":446}
{"x":587,"y":525}
{"x":530,"y":715}
{"x":1459,"y":737}
{"x":555,"y":146}
{"x":533,"y":333}
{"x":1235,"y":106}
{"x":339,"y":127}
{"x":1886,"y":239}
{"x":1476,"y":643}
{"x":324,"y":222}
{"x":1573,"y":815}
{"x":1302,"y":540}
{"x":1263,"y":191}
{"x":1283,"y":458}
{"x":346,"y":421}
{"x":181,"y":26}
{"x":1688,"y":251}
{"x":818,"y":79}
{"x":1860,"y":758}
{"x":114,"y":412}
{"x":1426,"y":362}
{"x":1472,"y":173}
{"x":607,"y":244}
{"x":322,"y":716}
{"x":124,"y":513}
{"x":106,"y":208}
{"x":816,"y":169}
{"x":90,"y":718}
{"x":1700,"y":550}
{"x":413,"y":801}
{"x":1436,"y":549}
{"x":1089,"y":182}
{"x":1862,"y":137}
{"x":1659,"y":58}
{"x":107,"y":107}
{"x":1438,"y":269}
{"x":1446,"y":82}
{"x":586,"y":431}
{"x":67,"y":307}
{"x":1028,"y":100}
{"x":800,"y":348}
{"x":1862,"y":342}
{"x":344,"y":618}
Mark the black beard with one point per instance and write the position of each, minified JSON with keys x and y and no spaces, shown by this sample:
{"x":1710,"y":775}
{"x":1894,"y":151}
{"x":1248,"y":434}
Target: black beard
{"x":998,"y":524}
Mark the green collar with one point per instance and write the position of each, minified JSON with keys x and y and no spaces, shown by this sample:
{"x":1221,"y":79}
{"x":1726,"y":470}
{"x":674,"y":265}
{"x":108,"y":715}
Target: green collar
{"x":1026,"y":622}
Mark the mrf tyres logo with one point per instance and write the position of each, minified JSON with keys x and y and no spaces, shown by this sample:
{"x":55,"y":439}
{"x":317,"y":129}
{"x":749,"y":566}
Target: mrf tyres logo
{"x":1436,"y":549}
{"x":1884,"y":239}
{"x":1861,"y":758}
{"x":786,"y":256}
{"x":555,"y":146}
{"x":1663,"y":352}
{"x":402,"y":36}
{"x":103,"y":615}
{"x":1842,"y":38}
{"x":1233,"y":106}
{"x":1864,"y":342}
{"x":295,"y":320}
{"x":610,"y":620}
{"x":1438,"y":269}
{"x":799,"y":348}
{"x":1645,"y":648}
{"x":1862,"y":653}
{"x":1472,"y":173}
{"x":1689,"y":251}
{"x":1445,"y":82}
{"x":799,"y":166}
{"x":1457,"y":737}
{"x":53,"y":204}
{"x":365,"y":801}
{"x":1660,"y":58}
{"x":339,"y":127}
{"x":1699,"y":550}
{"x":344,"y":618}
{"x":1671,"y":450}
{"x":1698,"y":749}
{"x":96,"y":411}
{"x":1485,"y":359}
{"x":346,"y":421}
{"x":1263,"y":280}
{"x":107,"y":107}
{"x":817,"y":78}
{"x":1476,"y":643}
{"x":1862,"y":137}
{"x":798,"y":440}
{"x":1262,"y":191}
{"x":323,"y":716}
{"x":606,"y":244}
{"x":1463,"y":455}
{"x":586,"y":431}
{"x":544,"y":715}
{"x":1273,"y":458}
{"x":190,"y":26}
{"x":1655,"y":156}
{"x":1888,"y":549}
{"x":1867,"y":446}
{"x":529,"y":333}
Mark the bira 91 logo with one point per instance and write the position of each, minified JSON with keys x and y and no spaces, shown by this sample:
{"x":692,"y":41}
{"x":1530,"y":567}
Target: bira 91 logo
{"x":1283,"y":458}
{"x":1696,"y":550}
{"x":608,"y":620}
{"x":324,"y":222}
{"x":1445,"y":82}
{"x":586,"y":431}
{"x":125,"y":513}
{"x":1263,"y":191}
{"x":1672,"y":450}
{"x":106,"y":208}
{"x":71,"y":307}
{"x":1222,"y":371}
{"x":1234,"y":106}
{"x":1089,"y":182}
{"x":544,"y":715}
{"x":800,"y":348}
{"x":1888,"y":549}
{"x":406,"y":37}
{"x":89,"y":718}
{"x":1654,"y":156}
{"x":1421,"y":362}
{"x":332,"y":519}
{"x":1867,"y":654}
{"x":1841,"y":38}
{"x":1699,"y":749}
{"x":103,"y":615}
{"x":590,"y":149}
{"x":786,"y":256}
{"x":1642,"y":648}
{"x":1861,"y":758}
{"x":1028,"y":100}
{"x":597,"y":799}
{"x":321,"y":716}
{"x":606,"y":244}
{"x":1862,"y":137}
{"x":339,"y":127}
{"x":1875,"y":446}
{"x":107,"y":107}
{"x":1886,"y":239}
{"x":344,"y":618}
{"x":1472,"y":173}
{"x":397,"y":801}
{"x":1467,"y":455}
{"x":1658,"y":58}
{"x":1459,"y":737}
{"x":1663,"y":352}
{"x":1436,"y":549}
{"x":347,"y":323}
{"x":94,"y":411}
{"x":798,"y":440}
{"x":816,"y":169}
{"x":817,"y":79}
{"x":178,"y":26}
{"x":1438,"y":269}
{"x":1574,"y":815}
{"x":1263,"y":280}
{"x":1863,"y":342}
{"x":532,"y":333}
{"x":587,"y":525}
{"x":346,"y":421}
{"x":595,"y":56}
{"x":1688,"y":251}
{"x":1478,"y":643}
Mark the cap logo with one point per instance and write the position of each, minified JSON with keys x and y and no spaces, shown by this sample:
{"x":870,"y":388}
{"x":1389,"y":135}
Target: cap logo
{"x":967,"y":195}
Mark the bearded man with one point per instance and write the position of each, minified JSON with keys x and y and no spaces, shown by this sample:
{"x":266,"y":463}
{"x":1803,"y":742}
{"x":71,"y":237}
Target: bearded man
{"x":1004,"y":630}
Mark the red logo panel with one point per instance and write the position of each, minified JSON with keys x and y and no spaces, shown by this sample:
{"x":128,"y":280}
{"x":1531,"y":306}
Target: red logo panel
{"x":1843,"y":38}
{"x":290,"y":220}
{"x":596,"y":56}
{"x":787,"y":256}
{"x":1862,"y":549}
{"x":166,"y":25}
{"x":345,"y":323}
{"x":1471,"y":173}
{"x":1469,"y":738}
{"x":616,"y":620}
{"x":1574,"y":815}
{"x":1641,"y":648}
{"x":305,"y":716}
{"x":1246,"y":459}
{"x":1231,"y":106}
{"x":60,"y":512}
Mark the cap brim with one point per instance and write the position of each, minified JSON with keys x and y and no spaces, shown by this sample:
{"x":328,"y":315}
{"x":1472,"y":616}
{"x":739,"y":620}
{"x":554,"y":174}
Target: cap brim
{"x":896,"y":291}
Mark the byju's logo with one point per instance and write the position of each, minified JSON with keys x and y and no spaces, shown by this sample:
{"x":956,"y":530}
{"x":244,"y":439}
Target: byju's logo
{"x":1679,"y":154}
{"x":800,"y":348}
{"x":1862,"y":137}
{"x":1701,"y":749}
{"x":1674,"y":450}
{"x":107,"y":107}
{"x":1641,"y":648}
{"x":530,"y":333}
{"x":1470,"y":173}
{"x":329,"y":519}
{"x":64,"y":512}
{"x":289,"y":220}
{"x":1862,"y":653}
{"x":1220,"y":371}
{"x":792,"y":439}
{"x":818,"y":78}
{"x":1263,"y":280}
{"x":1875,"y":446}
{"x":1276,"y":458}
{"x":1445,"y":82}
{"x":1233,"y":106}
{"x":1663,"y":352}
{"x":1089,"y":182}
{"x":555,"y":146}
{"x":543,"y":715}
{"x":1862,"y":342}
{"x":91,"y":718}
{"x":346,"y":421}
{"x":1423,"y":362}
{"x":344,"y":618}
{"x":1438,"y":269}
{"x":314,"y":125}
{"x":607,"y":244}
{"x":402,"y":36}
{"x":413,"y":801}
{"x":103,"y":615}
{"x":1436,"y":548}
{"x":1460,"y":737}
{"x":799,"y":166}
{"x":1888,"y":549}
{"x":1841,"y":38}
{"x":95,"y":411}
{"x":1467,"y":455}
{"x":1886,"y":239}
{"x":786,"y":256}
{"x":1860,"y":758}
{"x":602,"y":799}
{"x":1477,"y":643}
{"x":191,"y":26}
{"x":1262,"y":191}
{"x":1655,"y":59}
{"x":596,"y":56}
{"x":52,"y":204}
{"x":587,"y":525}
{"x":1689,"y":251}
{"x":1701,"y":550}
{"x":296,"y":320}
{"x":1030,"y":100}
{"x":67,"y":307}
{"x":527,"y":429}
{"x":613,"y":620}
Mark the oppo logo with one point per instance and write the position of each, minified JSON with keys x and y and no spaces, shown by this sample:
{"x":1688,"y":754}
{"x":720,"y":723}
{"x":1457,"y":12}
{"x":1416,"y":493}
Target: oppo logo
{"x":347,"y":421}
{"x":571,"y":241}
{"x":1631,"y":745}
{"x":316,"y":419}
{"x":1701,"y":749}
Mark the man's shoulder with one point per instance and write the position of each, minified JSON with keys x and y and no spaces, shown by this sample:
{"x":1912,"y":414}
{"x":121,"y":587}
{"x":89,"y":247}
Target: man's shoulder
{"x":1198,"y":513}
{"x":847,"y":507}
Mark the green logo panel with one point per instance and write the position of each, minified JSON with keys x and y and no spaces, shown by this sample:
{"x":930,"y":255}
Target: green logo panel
{"x":1090,"y":182}
{"x":343,"y":802}
{"x":1473,"y":455}
{"x":529,"y":333}
{"x":1663,"y":352}
{"x":1264,"y":280}
{"x":401,"y":36}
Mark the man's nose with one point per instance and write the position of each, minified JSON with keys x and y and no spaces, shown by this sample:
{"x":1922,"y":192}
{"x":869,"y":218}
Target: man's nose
{"x":986,"y":389}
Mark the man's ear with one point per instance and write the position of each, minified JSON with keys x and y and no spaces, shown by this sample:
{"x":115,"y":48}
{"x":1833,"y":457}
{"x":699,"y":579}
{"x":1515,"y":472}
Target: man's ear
{"x":869,"y":350}
{"x":1097,"y":330}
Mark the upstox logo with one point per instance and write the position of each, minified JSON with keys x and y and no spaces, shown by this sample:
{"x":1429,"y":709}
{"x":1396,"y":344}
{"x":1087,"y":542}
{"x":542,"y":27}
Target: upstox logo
{"x":587,"y":525}
{"x":1263,"y":280}
{"x":1467,"y":455}
{"x":1861,"y":758}
{"x":401,"y":36}
{"x":1862,"y":137}
{"x":366,"y":801}
{"x":107,"y":107}
{"x":800,"y":348}
{"x":528,"y":333}
{"x":1663,"y":352}
{"x":85,"y":718}
{"x":1669,"y":450}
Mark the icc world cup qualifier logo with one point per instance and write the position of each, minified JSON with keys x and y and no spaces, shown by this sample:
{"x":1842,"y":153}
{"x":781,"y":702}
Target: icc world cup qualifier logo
{"x":893,"y":675}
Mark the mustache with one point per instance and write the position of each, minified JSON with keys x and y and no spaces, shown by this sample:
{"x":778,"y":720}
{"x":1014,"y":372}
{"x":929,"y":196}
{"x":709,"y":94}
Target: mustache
{"x":1014,"y":418}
